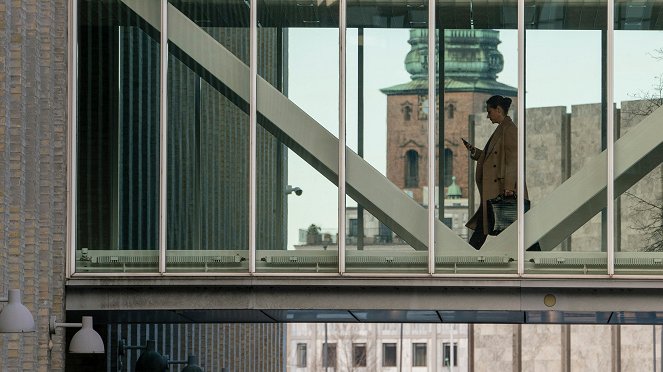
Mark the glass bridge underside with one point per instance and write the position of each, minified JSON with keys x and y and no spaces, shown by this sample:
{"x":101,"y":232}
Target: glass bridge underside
{"x":413,"y":300}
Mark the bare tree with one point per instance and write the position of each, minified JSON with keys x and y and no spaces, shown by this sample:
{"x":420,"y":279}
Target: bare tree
{"x":653,"y":98}
{"x":647,"y":217}
{"x":346,"y":335}
{"x":646,"y":212}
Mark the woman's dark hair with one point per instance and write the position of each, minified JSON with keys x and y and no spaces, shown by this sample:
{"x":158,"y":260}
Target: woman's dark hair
{"x":503,"y":102}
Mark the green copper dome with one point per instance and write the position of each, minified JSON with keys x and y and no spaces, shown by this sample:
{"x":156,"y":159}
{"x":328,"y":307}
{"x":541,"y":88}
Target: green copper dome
{"x":454,"y":192}
{"x":471,"y":63}
{"x":416,"y":61}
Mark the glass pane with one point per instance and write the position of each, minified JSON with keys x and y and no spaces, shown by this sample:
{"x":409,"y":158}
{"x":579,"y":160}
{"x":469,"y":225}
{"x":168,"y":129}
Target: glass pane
{"x":387,"y":137}
{"x":301,"y":356}
{"x":566,"y":137}
{"x":638,"y":138}
{"x":419,"y":354}
{"x":208,"y":138}
{"x":478,"y":59}
{"x":117,"y":205}
{"x":297,"y":152}
{"x":359,"y":355}
{"x":389,"y":356}
{"x":329,"y":357}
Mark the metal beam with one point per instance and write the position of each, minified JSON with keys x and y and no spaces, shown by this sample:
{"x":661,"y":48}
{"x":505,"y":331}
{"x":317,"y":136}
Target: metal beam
{"x":582,"y":296}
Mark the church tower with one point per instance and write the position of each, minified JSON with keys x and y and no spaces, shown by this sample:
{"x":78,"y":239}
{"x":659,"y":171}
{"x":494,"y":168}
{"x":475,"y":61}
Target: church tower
{"x":471,"y":65}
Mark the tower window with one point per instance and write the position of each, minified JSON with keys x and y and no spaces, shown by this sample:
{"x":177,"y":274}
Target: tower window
{"x":411,"y":169}
{"x":448,"y":166}
{"x":451,"y":108}
{"x":407,"y":111}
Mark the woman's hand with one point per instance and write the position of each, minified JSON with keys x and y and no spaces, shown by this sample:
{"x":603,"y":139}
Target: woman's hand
{"x":467,"y":145}
{"x":509,"y":193}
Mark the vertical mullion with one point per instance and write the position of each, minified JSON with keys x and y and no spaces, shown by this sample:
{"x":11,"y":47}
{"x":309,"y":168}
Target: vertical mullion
{"x":253,"y":71}
{"x":431,"y":136}
{"x":610,"y":231}
{"x":521,"y":137}
{"x":163,"y":138}
{"x":73,"y":127}
{"x":341,"y":136}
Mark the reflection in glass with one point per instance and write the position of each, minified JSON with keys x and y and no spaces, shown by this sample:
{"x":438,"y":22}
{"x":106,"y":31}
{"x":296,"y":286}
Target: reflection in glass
{"x":638,"y":171}
{"x":565,"y":142}
{"x":118,"y":139}
{"x":208,"y":144}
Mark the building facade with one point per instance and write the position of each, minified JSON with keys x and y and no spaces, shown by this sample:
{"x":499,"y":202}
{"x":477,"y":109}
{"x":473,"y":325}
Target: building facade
{"x":143,"y":151}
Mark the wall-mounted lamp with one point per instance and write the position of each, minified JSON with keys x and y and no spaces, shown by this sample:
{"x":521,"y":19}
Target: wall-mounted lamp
{"x":85,"y":341}
{"x":151,"y":361}
{"x":15,"y":317}
{"x":191,"y":364}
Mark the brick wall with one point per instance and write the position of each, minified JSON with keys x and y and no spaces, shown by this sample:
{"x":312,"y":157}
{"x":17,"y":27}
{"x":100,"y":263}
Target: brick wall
{"x":33,"y":122}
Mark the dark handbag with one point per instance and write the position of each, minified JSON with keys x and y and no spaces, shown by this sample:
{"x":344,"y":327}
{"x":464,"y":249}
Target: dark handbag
{"x":502,"y":211}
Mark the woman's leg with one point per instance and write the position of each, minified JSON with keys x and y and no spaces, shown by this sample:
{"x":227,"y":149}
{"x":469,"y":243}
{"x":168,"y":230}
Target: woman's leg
{"x":478,"y":237}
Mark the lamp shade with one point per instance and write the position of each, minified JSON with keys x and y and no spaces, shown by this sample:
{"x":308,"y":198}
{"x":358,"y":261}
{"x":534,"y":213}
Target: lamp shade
{"x":192,"y":365}
{"x":86,"y":340}
{"x":14,"y":317}
{"x":150,"y":360}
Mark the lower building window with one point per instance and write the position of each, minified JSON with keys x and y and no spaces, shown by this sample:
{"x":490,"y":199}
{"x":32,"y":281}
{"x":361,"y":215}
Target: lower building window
{"x":301,"y":355}
{"x":389,"y":355}
{"x":329,"y":355}
{"x":450,"y":357}
{"x":419,"y":355}
{"x":359,"y":355}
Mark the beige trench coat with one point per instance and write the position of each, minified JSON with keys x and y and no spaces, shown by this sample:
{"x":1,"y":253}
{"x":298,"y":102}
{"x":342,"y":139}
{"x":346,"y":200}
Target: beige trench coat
{"x":497,"y":169}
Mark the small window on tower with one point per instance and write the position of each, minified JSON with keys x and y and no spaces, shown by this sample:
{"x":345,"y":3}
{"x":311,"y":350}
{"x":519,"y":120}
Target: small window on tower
{"x":451,"y":108}
{"x":448,"y":166}
{"x":406,"y":109}
{"x":411,"y":169}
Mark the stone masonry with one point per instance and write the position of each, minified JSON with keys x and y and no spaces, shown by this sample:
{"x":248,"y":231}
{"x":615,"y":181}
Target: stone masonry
{"x":33,"y":189}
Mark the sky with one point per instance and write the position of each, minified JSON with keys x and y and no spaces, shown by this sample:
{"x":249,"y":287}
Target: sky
{"x":563,"y":69}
